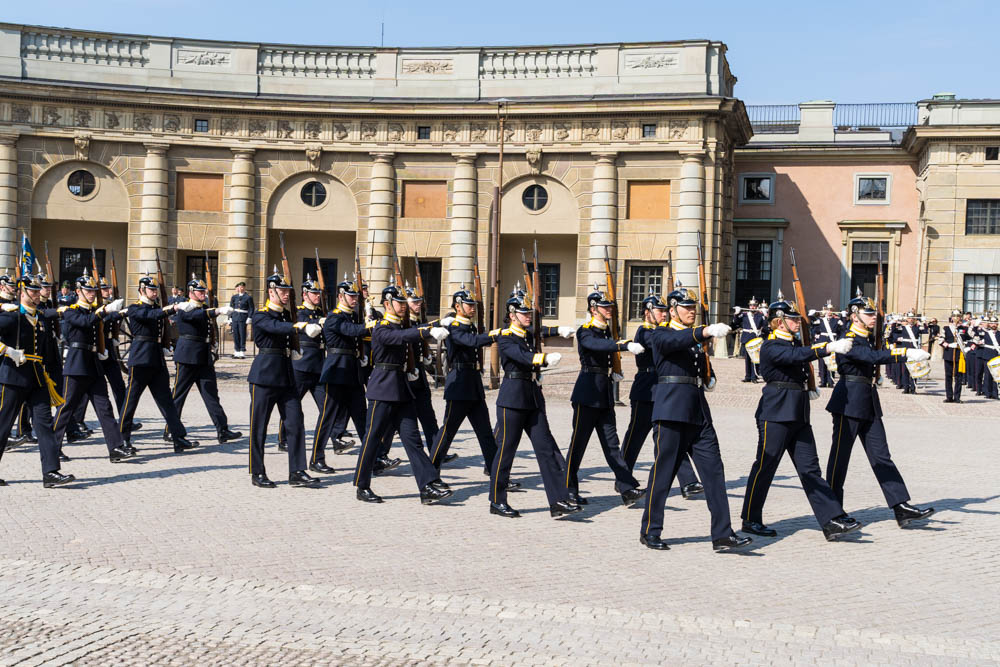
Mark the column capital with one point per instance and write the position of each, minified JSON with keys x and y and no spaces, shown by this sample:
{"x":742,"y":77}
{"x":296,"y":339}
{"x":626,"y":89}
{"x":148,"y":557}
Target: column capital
{"x":156,"y":148}
{"x":605,"y":156}
{"x":243,"y":153}
{"x":9,"y":139}
{"x":384,"y":157}
{"x":693,"y":156}
{"x":465,"y":158}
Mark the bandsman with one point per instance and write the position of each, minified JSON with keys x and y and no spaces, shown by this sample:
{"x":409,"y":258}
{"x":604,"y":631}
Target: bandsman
{"x":750,"y":324}
{"x":826,"y":329}
{"x":242,"y":305}
{"x":954,"y":339}
{"x":988,"y":350}
{"x":907,"y":336}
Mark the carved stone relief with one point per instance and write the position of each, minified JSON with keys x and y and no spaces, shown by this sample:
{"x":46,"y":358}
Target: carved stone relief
{"x":479,"y":131}
{"x":142,"y":122}
{"x":619,"y":131}
{"x":395,"y":132}
{"x":534,"y":157}
{"x":533,"y":132}
{"x":257,"y":127}
{"x":204,"y":58}
{"x":450,"y":132}
{"x":21,"y":114}
{"x":81,"y":118}
{"x":964,"y":154}
{"x":427,"y":66}
{"x":369,"y":130}
{"x":340,"y":131}
{"x":111,"y":120}
{"x":285,"y":130}
{"x":562,"y":131}
{"x":81,"y":144}
{"x":508,"y":134}
{"x":677,"y":128}
{"x":313,"y":129}
{"x":591,"y":131}
{"x":313,"y":154}
{"x":230,"y":126}
{"x":171,"y":123}
{"x":50,"y":116}
{"x":652,"y":61}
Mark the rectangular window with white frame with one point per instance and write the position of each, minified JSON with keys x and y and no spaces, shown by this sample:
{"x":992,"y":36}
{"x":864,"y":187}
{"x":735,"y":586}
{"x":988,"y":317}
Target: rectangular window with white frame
{"x":756,"y":188}
{"x":872,"y":189}
{"x":982,"y":293}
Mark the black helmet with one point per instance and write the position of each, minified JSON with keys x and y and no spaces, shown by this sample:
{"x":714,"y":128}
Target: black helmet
{"x":197,"y":284}
{"x":411,"y":294}
{"x":598,"y":298}
{"x":346,"y":287}
{"x":311,"y":286}
{"x":44,"y":280}
{"x":517,"y":291}
{"x":6,"y":279}
{"x":149,"y":281}
{"x":681,"y":296}
{"x":394,"y":293}
{"x":782,"y":308}
{"x":29,"y":281}
{"x":463,"y":296}
{"x":86,"y":281}
{"x":518,"y":304}
{"x":276,"y":281}
{"x":861,"y":304}
{"x":652,"y":301}
{"x":104,"y":283}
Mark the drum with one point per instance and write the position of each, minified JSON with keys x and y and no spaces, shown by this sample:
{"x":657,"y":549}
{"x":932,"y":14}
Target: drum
{"x":831,"y":363}
{"x":994,"y":366}
{"x":918,"y":369}
{"x":752,"y":347}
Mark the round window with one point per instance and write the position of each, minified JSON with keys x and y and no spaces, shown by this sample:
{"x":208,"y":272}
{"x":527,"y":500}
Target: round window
{"x":81,"y":183}
{"x":535,"y":197}
{"x":313,"y":194}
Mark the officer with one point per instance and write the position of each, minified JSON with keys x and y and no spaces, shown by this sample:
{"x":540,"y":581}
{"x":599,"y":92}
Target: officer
{"x":463,"y":390}
{"x":955,"y":341}
{"x":272,"y":384}
{"x":242,"y":305}
{"x":907,"y":336}
{"x":593,"y":403}
{"x":83,"y":380}
{"x":989,"y":350}
{"x":641,"y":397}
{"x":750,"y":323}
{"x":195,"y":357}
{"x":857,"y":412}
{"x":521,"y":409}
{"x":341,"y":375}
{"x":24,"y":379}
{"x":147,"y":367}
{"x":683,"y":422}
{"x":391,"y":403}
{"x":826,"y":329}
{"x":783,"y":424}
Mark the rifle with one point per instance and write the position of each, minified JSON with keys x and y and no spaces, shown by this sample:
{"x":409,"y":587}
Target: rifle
{"x":536,"y":303}
{"x":213,"y":327}
{"x":100,"y":343}
{"x":48,"y":266}
{"x":411,"y":362}
{"x":322,"y":284}
{"x":804,"y":329}
{"x":477,"y":288}
{"x":55,"y":288}
{"x":167,"y":339}
{"x":359,"y":307}
{"x":703,"y":299}
{"x":529,"y":295}
{"x":879,"y":315}
{"x":616,"y":358}
{"x":291,"y":292}
{"x":423,"y":319}
{"x":670,"y":275}
{"x":116,"y":326}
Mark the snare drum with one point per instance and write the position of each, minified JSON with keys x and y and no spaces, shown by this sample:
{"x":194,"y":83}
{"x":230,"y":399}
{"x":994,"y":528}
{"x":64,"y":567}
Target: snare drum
{"x":918,"y":369}
{"x":994,"y":366}
{"x":831,"y":363}
{"x":752,"y":347}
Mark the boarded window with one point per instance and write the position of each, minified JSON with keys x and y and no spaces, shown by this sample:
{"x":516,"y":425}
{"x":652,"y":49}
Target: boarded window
{"x":649,"y":200}
{"x":199,"y":192}
{"x":425,"y":199}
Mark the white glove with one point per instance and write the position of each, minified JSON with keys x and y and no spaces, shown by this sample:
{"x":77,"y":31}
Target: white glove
{"x":296,"y":355}
{"x":814,"y":394}
{"x":736,"y":310}
{"x":617,"y":377}
{"x":636,"y":348}
{"x":186,"y":306}
{"x":222,"y":320}
{"x":115,"y":342}
{"x":364,"y":361}
{"x":103,"y":356}
{"x":414,"y":376}
{"x":11,"y":307}
{"x":552,"y":360}
{"x":15,"y":355}
{"x":322,"y":321}
{"x":312,"y":329}
{"x":717,"y":330}
{"x":842,"y":346}
{"x":428,"y":360}
{"x":224,"y":310}
{"x":439,"y":333}
{"x":114,"y":306}
{"x":169,"y":308}
{"x":566,"y":332}
{"x":446,"y":321}
{"x":917,"y":355}
{"x":811,"y":313}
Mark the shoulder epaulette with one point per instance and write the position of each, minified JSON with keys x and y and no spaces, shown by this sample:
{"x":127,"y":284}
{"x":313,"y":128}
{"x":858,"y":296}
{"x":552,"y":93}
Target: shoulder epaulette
{"x":771,"y":336}
{"x":505,"y":332}
{"x":455,"y":323}
{"x":586,"y":326}
{"x":851,"y":334}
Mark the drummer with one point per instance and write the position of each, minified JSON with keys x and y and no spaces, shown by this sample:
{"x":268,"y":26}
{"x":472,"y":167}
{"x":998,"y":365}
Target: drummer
{"x":752,"y":327}
{"x":907,"y":335}
{"x":989,"y":355}
{"x":826,"y":328}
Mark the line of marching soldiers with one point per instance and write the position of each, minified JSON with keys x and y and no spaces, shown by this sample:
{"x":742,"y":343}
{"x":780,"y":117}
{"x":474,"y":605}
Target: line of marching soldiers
{"x":358,"y":368}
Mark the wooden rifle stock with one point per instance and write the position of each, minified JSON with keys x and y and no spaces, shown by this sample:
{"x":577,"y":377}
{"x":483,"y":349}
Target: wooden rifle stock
{"x":359,"y":308}
{"x":804,"y":327}
{"x":880,"y":314}
{"x":426,"y":348}
{"x":100,"y":343}
{"x":321,"y":280}
{"x":703,"y":301}
{"x":291,"y":292}
{"x":536,"y":302}
{"x":477,"y":286}
{"x":211,"y":302}
{"x":167,"y":339}
{"x":609,"y":276}
{"x":411,"y":361}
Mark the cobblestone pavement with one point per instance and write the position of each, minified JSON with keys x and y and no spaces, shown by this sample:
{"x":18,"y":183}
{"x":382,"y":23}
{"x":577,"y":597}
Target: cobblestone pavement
{"x":176,"y":559}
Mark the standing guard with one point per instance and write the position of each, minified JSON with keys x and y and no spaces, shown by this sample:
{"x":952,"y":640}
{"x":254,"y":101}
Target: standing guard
{"x":683,"y":422}
{"x":195,"y":357}
{"x":857,"y":413}
{"x":147,"y":367}
{"x":272,"y":384}
{"x":750,"y":323}
{"x":23,"y":377}
{"x":783,"y":424}
{"x":955,"y":337}
{"x":593,"y":402}
{"x":242,"y":305}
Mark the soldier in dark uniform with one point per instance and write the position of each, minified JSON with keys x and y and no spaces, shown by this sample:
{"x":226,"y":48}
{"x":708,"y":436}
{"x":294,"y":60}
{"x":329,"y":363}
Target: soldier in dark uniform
{"x":975,"y":356}
{"x":341,"y":374}
{"x":593,"y":403}
{"x":783,"y":424}
{"x":24,"y":379}
{"x":272,"y":384}
{"x":195,"y":357}
{"x":956,"y":338}
{"x":907,"y":336}
{"x":147,"y":367}
{"x":857,"y":413}
{"x":47,"y":309}
{"x":83,"y":380}
{"x":683,"y":422}
{"x":521,"y":409}
{"x":67,"y":297}
{"x":826,"y":329}
{"x":242,"y":305}
{"x":77,"y":429}
{"x":111,"y":367}
{"x":641,"y":397}
{"x":391,"y":403}
{"x":988,"y":350}
{"x":750,"y":324}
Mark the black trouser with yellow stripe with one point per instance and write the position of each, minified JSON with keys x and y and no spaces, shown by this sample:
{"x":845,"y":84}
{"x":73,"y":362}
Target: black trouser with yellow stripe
{"x":157,"y":379}
{"x":395,"y":417}
{"x":773,"y":440}
{"x":671,"y":442}
{"x":340,"y":402}
{"x":189,"y":375}
{"x":263,"y":400}
{"x":639,"y":426}
{"x":511,"y":423}
{"x":306,"y":383}
{"x":454,"y":414}
{"x":77,"y":390}
{"x":38,"y":401}
{"x":425,"y":415}
{"x":873,"y":439}
{"x":603,"y":420}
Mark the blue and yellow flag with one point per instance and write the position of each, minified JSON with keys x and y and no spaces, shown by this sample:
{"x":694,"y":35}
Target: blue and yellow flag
{"x":27,"y":255}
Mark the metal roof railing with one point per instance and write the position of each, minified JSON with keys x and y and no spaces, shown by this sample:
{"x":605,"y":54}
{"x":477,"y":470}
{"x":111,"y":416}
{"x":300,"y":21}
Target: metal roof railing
{"x":785,"y":118}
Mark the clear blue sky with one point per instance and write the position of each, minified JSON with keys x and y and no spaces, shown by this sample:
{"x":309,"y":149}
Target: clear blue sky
{"x":782,"y":52}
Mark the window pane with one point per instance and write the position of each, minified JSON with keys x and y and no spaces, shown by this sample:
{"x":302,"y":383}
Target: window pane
{"x":871,"y":189}
{"x":753,"y":271}
{"x":643,"y":280}
{"x":757,"y":188}
{"x":549,"y":275}
{"x":981,"y":293}
{"x":982,"y":216}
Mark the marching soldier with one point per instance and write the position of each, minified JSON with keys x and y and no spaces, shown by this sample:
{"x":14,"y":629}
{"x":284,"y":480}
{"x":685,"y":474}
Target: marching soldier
{"x":683,"y":422}
{"x":750,"y":323}
{"x":907,"y":337}
{"x":391,"y":403}
{"x":857,"y":413}
{"x":8,"y":288}
{"x":521,"y":409}
{"x":783,"y":425}
{"x":25,"y":380}
{"x":641,"y":397}
{"x":111,"y":366}
{"x":826,"y":329}
{"x":272,"y":384}
{"x":195,"y":357}
{"x":83,"y":380}
{"x":987,"y":351}
{"x":955,"y":337}
{"x":593,"y":403}
{"x":147,"y":367}
{"x":242,"y":305}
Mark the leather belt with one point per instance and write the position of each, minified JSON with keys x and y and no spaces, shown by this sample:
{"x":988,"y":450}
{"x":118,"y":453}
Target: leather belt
{"x":342,"y":350}
{"x":309,"y":343}
{"x":240,"y":310}
{"x":390,"y":367}
{"x":786,"y":385}
{"x":145,"y":339}
{"x":463,"y":365}
{"x":646,"y":370}
{"x":600,"y":370}
{"x":284,"y":351}
{"x":678,"y":379}
{"x":858,"y":379}
{"x":197,"y":339}
{"x":520,"y":375}
{"x":81,"y":346}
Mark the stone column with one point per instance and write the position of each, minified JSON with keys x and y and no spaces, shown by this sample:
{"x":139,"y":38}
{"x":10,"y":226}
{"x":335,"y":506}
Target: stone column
{"x":153,"y":216}
{"x":690,"y":218}
{"x":239,"y":244}
{"x":463,"y":223}
{"x":603,"y":217}
{"x":8,"y":202}
{"x":381,"y":221}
